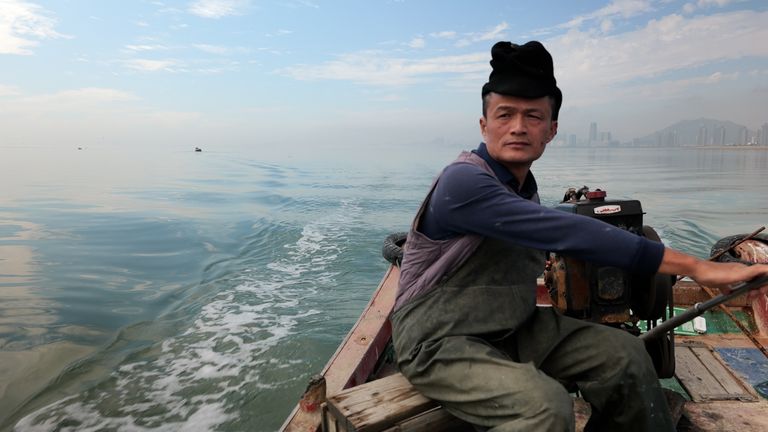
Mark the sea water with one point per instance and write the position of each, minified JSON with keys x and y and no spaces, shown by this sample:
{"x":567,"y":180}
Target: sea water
{"x":166,"y":289}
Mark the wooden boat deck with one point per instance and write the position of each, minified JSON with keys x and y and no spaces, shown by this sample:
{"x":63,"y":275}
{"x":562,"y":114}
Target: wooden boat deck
{"x":722,"y":375}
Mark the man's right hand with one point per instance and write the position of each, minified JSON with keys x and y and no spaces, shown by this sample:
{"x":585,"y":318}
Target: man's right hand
{"x":712,"y":274}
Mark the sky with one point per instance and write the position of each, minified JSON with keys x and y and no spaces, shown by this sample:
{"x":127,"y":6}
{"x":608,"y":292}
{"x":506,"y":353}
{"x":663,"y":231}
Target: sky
{"x":315,"y":76}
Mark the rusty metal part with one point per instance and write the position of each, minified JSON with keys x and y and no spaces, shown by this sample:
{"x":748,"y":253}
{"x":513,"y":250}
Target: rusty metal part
{"x":571,"y":272}
{"x":753,"y":251}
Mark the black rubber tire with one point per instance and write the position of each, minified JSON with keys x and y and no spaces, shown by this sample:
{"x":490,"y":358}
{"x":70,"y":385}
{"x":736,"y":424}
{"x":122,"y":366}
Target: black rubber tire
{"x":392,"y":251}
{"x":726,"y":243}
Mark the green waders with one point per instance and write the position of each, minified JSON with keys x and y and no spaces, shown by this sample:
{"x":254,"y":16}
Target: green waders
{"x":478,"y":344}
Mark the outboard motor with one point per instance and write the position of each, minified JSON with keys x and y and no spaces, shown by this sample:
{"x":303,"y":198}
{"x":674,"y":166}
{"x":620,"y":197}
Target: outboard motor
{"x":610,"y":295}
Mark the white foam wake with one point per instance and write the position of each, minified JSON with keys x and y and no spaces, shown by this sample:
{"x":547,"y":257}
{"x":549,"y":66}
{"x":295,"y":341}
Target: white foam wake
{"x":187,"y":381}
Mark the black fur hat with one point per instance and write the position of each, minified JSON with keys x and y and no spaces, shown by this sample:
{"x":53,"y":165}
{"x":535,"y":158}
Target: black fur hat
{"x":523,"y":71}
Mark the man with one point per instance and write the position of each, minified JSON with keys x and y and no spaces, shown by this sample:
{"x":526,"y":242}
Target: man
{"x":466,"y":328}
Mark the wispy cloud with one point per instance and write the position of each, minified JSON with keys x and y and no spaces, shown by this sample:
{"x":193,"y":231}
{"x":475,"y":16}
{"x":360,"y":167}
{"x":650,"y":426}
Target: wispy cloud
{"x":417,"y":42}
{"x":373,"y":67}
{"x":587,"y":65}
{"x":8,"y":90}
{"x":23,"y":25}
{"x":615,"y":9}
{"x":218,"y":8}
{"x":295,"y":4}
{"x":703,"y":4}
{"x":281,"y":32}
{"x":140,"y":48}
{"x":212,"y":49}
{"x":149,"y":65}
{"x":495,"y":33}
{"x":443,"y":35}
{"x":83,"y":96}
{"x":219,"y":50}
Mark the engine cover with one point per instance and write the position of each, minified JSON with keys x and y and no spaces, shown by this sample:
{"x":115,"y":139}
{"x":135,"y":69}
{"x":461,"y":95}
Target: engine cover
{"x":604,"y":294}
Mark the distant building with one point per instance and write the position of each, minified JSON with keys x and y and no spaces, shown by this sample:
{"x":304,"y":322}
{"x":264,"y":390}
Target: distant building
{"x":572,"y":140}
{"x":743,"y":137}
{"x":718,"y":135}
{"x":672,"y":139}
{"x":702,"y":138}
{"x":763,"y":135}
{"x":592,"y":133}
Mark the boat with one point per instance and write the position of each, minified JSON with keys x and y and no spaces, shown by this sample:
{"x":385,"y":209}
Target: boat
{"x":720,"y":380}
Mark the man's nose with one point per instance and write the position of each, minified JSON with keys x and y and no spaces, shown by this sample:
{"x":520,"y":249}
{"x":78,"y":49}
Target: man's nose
{"x":517,"y":124}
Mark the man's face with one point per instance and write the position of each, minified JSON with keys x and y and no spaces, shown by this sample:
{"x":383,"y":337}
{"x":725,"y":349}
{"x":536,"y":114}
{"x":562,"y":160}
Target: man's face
{"x":516,"y":130}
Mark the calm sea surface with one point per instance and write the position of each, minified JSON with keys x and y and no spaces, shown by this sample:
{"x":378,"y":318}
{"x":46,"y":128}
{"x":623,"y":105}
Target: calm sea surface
{"x":173,"y":290}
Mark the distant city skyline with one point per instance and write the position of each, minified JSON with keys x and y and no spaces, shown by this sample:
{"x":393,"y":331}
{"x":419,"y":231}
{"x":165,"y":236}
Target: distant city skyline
{"x":361,"y":76}
{"x":710,"y":132}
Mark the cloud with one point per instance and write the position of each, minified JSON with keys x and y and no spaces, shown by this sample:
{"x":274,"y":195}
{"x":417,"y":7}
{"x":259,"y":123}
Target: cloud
{"x":148,"y":65}
{"x":417,"y":43}
{"x":22,"y":25}
{"x":672,"y":58}
{"x":703,"y":4}
{"x":139,"y":48}
{"x":718,"y":3}
{"x":295,"y":4}
{"x":672,"y":45}
{"x":8,"y":91}
{"x":615,"y":9}
{"x":281,"y":32}
{"x":214,"y":49}
{"x":495,"y":33}
{"x":443,"y":35}
{"x":218,"y":8}
{"x":373,"y":67}
{"x":87,"y":96}
{"x":678,"y":87}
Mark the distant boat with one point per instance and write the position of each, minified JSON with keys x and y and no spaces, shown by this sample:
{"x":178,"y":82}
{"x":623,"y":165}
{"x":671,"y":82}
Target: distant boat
{"x":198,"y":149}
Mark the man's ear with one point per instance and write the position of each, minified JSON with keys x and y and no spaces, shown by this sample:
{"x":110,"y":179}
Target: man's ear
{"x":482,"y":126}
{"x":552,"y":130}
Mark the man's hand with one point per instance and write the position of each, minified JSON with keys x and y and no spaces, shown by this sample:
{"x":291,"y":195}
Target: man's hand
{"x":712,"y":274}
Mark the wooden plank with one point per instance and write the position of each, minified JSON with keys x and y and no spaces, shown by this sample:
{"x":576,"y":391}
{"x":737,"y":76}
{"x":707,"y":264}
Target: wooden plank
{"x":330,"y":423}
{"x":357,"y":355}
{"x":705,"y":377}
{"x":436,"y":419}
{"x":718,"y":370}
{"x":688,"y":369}
{"x":379,"y":404}
{"x":722,"y":416}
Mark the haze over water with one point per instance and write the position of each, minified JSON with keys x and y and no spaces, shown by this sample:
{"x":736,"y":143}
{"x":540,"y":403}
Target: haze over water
{"x":174,"y":290}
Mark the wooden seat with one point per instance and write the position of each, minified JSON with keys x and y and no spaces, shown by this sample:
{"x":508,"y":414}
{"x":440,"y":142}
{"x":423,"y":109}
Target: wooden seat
{"x":392,"y":404}
{"x":387,"y":404}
